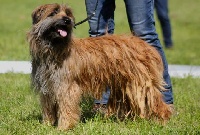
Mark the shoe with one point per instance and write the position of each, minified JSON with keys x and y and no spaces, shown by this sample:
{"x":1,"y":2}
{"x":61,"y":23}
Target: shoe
{"x":169,"y":46}
{"x":100,"y":108}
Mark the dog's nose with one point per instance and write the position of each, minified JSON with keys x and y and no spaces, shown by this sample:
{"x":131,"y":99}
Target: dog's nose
{"x":67,"y":20}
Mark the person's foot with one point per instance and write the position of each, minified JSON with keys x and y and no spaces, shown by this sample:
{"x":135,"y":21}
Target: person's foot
{"x":100,"y":108}
{"x":169,"y":46}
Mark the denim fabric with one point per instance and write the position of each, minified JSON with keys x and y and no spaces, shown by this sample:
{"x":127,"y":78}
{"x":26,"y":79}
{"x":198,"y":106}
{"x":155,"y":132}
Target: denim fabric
{"x":140,"y":15}
{"x":105,"y":97}
{"x":104,"y":15}
{"x":161,"y":7}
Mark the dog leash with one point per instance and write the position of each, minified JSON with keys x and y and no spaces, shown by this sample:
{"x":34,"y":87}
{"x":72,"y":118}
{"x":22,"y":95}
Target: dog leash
{"x":89,"y":17}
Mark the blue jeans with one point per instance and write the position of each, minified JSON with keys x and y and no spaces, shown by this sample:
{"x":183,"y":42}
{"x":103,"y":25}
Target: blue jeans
{"x":161,"y":7}
{"x":141,"y":21}
{"x":103,"y":21}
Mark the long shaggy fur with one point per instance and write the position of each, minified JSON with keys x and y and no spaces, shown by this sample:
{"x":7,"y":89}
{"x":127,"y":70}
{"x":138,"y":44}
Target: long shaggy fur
{"x":64,"y":68}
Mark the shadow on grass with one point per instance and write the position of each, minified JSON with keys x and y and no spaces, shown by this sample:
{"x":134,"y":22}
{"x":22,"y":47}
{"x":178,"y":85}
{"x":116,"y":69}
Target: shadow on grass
{"x":87,"y":106}
{"x":34,"y":116}
{"x":87,"y":113}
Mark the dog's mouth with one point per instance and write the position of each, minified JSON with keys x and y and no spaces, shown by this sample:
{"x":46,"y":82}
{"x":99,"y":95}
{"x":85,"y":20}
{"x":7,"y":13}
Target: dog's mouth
{"x":62,"y":33}
{"x":58,"y":30}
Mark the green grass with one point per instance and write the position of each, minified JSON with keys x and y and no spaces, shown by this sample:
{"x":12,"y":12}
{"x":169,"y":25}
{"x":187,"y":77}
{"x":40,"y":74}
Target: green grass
{"x":20,"y":112}
{"x":19,"y":106}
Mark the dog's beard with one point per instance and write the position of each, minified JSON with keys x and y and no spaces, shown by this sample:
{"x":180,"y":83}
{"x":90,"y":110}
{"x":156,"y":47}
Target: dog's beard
{"x":54,"y":30}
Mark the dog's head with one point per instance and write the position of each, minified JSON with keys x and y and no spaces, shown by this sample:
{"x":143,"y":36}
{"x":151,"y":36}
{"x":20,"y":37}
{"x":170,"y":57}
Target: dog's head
{"x":53,"y":22}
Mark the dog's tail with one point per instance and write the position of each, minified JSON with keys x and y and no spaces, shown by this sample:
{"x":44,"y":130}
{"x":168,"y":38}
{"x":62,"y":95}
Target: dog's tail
{"x":134,"y":100}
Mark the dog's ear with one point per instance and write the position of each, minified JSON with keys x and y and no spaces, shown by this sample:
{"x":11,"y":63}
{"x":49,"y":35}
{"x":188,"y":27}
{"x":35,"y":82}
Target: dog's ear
{"x":42,"y":11}
{"x":36,"y":14}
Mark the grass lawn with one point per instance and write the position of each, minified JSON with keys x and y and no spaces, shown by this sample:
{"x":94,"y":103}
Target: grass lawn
{"x":20,"y":112}
{"x":19,"y":106}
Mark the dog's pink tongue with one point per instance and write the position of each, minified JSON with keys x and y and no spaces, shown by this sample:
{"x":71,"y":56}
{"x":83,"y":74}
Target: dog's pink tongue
{"x":62,"y":33}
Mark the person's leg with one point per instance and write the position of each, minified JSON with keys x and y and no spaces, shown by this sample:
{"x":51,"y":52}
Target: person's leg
{"x":141,"y":20}
{"x":100,"y":24}
{"x":104,"y":99}
{"x":161,"y":7}
{"x":103,"y":20}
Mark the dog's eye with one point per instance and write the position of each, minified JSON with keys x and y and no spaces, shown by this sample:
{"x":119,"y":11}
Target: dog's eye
{"x":53,"y":13}
{"x":68,"y":13}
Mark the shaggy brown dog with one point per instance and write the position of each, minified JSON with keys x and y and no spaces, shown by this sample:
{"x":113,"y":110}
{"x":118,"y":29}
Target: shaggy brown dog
{"x":65,"y":68}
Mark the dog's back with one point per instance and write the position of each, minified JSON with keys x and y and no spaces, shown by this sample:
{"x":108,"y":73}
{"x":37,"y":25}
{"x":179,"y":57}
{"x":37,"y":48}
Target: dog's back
{"x":129,"y":66}
{"x":124,"y":56}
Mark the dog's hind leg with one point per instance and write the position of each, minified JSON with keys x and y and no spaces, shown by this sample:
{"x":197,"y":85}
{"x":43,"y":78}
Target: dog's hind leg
{"x":69,"y":106}
{"x":49,"y":109}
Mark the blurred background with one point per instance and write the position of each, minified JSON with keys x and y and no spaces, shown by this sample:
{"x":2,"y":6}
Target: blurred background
{"x":15,"y":21}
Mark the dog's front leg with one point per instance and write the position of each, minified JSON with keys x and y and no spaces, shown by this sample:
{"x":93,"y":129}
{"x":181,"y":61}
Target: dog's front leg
{"x":69,"y":106}
{"x":49,"y":109}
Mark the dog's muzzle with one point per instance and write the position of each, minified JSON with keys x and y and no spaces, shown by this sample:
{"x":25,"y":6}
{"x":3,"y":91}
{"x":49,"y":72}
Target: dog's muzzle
{"x":61,"y":31}
{"x":51,"y":28}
